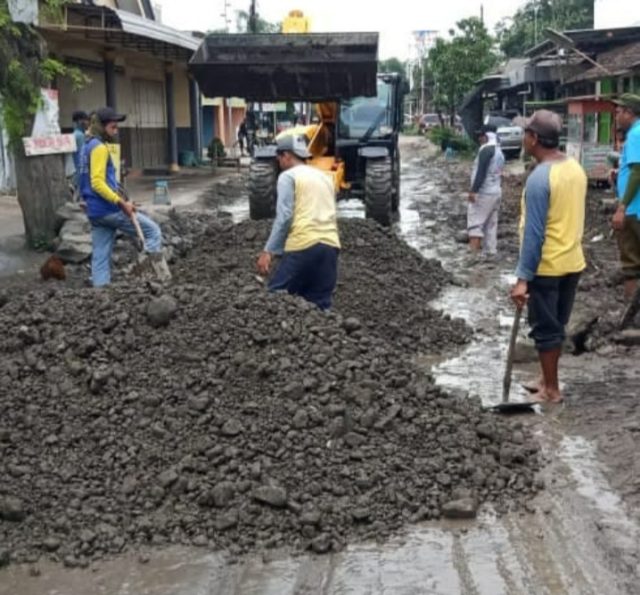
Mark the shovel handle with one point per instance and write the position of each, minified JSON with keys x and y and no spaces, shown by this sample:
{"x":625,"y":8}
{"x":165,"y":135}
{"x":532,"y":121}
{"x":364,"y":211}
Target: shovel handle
{"x":506,"y":382}
{"x":139,"y":233}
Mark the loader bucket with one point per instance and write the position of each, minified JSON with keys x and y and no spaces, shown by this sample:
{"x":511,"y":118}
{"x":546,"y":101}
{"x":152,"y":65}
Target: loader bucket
{"x":287,"y":67}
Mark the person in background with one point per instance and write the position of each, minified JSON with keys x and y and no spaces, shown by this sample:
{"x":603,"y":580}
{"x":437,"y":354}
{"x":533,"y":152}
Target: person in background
{"x":242,"y":135}
{"x":551,"y":257}
{"x":80,"y":126}
{"x":626,"y":220}
{"x":485,"y":194}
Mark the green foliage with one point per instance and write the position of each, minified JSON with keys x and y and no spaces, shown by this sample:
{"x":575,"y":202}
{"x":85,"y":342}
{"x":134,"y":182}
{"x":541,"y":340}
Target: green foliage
{"x":262,"y":26}
{"x":392,"y":65}
{"x":448,"y":137}
{"x":215,"y":149}
{"x":411,"y":130}
{"x":518,"y":34}
{"x":52,"y":11}
{"x":455,"y":64}
{"x":29,"y":69}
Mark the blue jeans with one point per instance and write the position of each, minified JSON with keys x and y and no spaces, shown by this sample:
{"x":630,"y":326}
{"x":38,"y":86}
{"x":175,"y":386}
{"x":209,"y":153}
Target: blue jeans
{"x":310,"y":273}
{"x":103,"y":232}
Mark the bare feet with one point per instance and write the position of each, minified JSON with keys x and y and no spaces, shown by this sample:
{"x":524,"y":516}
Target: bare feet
{"x":545,"y":395}
{"x":533,"y":387}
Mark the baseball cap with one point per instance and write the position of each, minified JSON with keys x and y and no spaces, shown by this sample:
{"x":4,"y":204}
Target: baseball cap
{"x":108,"y":114}
{"x":546,"y":124}
{"x":294,"y":143}
{"x":630,"y":101}
{"x":79,"y":115}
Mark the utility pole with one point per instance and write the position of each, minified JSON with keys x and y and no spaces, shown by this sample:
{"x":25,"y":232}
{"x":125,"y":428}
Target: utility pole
{"x":422,"y":86}
{"x":253,"y":21}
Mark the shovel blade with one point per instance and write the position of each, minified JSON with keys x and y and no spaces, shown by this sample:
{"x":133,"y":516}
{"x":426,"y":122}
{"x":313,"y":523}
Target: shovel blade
{"x":514,"y":408}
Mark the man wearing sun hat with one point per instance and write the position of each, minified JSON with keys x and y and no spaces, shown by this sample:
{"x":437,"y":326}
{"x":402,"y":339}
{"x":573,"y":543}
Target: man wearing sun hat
{"x":305,"y":230}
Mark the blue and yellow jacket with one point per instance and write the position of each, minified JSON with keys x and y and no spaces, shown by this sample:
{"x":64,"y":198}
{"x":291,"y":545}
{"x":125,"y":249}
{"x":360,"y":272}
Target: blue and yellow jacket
{"x":98,"y":180}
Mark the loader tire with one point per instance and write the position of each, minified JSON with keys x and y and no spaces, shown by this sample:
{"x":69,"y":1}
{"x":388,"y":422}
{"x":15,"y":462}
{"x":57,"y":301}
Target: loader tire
{"x":263,"y":178}
{"x":395,"y":200}
{"x":378,"y":190}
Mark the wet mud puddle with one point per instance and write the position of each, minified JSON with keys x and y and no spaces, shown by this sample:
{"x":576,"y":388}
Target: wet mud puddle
{"x":578,"y":539}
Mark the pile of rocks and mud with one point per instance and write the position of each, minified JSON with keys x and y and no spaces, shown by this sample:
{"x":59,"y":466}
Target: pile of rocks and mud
{"x":212,"y":413}
{"x":381,"y":280}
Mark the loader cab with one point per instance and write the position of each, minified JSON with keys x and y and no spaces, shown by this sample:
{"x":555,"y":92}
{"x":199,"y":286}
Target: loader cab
{"x":376,"y":117}
{"x":367,"y":142}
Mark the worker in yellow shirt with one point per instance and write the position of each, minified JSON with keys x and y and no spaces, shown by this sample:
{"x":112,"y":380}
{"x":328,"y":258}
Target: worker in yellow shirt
{"x":305,"y":230}
{"x":105,"y":207}
{"x":551,"y":256}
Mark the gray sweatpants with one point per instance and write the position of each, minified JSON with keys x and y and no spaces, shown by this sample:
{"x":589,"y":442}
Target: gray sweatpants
{"x":482,"y":221}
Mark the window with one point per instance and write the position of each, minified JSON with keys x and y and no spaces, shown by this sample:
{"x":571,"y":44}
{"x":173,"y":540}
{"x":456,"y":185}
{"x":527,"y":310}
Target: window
{"x":590,"y":128}
{"x":361,"y":114}
{"x":574,"y":127}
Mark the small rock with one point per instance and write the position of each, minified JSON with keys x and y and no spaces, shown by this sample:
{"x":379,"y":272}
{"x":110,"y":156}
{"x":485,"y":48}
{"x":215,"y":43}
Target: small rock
{"x":34,"y":571}
{"x":129,"y":485}
{"x":222,"y":494}
{"x":232,"y":427}
{"x":460,"y":509}
{"x":361,"y":514}
{"x":161,"y":310}
{"x":351,"y":325}
{"x":12,"y":509}
{"x":200,"y":403}
{"x":167,"y":478}
{"x":200,"y":541}
{"x":486,"y":430}
{"x":311,"y":517}
{"x":226,"y":521}
{"x":71,"y":562}
{"x":321,"y":544}
{"x":300,"y":419}
{"x":273,"y":496}
{"x":51,"y":544}
{"x":144,"y":558}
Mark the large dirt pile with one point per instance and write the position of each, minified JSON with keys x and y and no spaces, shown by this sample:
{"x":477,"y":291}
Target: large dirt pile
{"x":382,"y":281}
{"x":217,"y":414}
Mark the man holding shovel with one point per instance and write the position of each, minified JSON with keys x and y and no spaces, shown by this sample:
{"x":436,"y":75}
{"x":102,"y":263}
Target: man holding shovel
{"x":106,"y":208}
{"x":551,"y":257}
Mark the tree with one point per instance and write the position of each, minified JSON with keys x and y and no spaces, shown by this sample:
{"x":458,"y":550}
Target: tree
{"x":522,"y":31}
{"x":26,"y":68}
{"x":455,"y":64}
{"x":262,"y":26}
{"x":392,"y":65}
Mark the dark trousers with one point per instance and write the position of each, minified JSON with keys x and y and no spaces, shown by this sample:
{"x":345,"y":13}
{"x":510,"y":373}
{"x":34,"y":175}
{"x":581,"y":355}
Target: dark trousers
{"x":549,"y":308}
{"x":310,"y":273}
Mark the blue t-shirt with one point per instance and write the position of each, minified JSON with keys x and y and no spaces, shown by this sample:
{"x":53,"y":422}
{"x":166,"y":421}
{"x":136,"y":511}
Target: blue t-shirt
{"x":630,"y":156}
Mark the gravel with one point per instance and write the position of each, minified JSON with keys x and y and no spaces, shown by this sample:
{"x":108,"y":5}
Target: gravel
{"x":247,"y":420}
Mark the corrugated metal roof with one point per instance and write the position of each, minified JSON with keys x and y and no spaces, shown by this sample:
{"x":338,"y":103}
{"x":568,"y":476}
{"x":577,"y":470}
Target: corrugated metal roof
{"x":618,"y":61}
{"x":589,"y":39}
{"x":137,"y":25}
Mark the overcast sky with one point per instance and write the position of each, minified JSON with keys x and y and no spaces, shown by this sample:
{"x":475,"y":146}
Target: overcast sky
{"x":394,"y":19}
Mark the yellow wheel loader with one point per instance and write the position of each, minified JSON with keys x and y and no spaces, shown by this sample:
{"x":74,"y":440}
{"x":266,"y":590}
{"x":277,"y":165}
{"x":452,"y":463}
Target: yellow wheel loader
{"x":360,"y":112}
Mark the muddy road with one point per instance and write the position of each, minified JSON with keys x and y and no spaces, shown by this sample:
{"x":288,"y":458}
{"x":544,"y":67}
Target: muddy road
{"x":581,"y":535}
